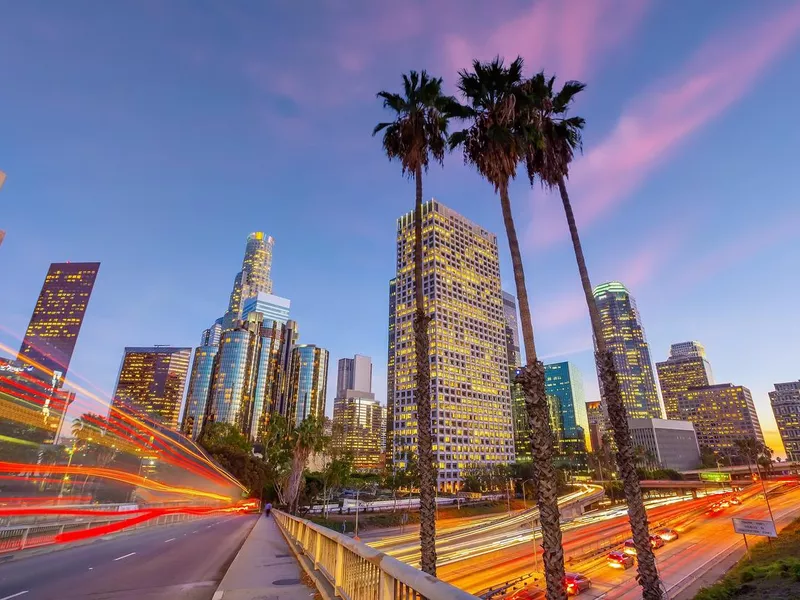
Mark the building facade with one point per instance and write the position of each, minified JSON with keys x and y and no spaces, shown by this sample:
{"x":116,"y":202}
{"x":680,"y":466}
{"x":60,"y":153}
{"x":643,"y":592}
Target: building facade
{"x":274,"y":308}
{"x":354,"y":374}
{"x":308,"y":383}
{"x":254,"y":278}
{"x":212,"y":335}
{"x":785,"y":401}
{"x":390,"y":372}
{"x":597,"y":424}
{"x":359,"y":429}
{"x":564,"y":386}
{"x":721,"y":414}
{"x":197,"y":405}
{"x":667,"y":444}
{"x":57,"y":318}
{"x":687,"y":367}
{"x":152,"y":381}
{"x":512,"y":330}
{"x":624,"y":336}
{"x":471,"y":401}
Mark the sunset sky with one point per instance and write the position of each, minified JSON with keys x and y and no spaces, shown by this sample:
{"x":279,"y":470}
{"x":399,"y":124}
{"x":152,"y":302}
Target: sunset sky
{"x":154,"y":136}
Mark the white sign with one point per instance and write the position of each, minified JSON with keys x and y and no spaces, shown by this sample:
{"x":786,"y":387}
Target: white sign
{"x":754,"y":527}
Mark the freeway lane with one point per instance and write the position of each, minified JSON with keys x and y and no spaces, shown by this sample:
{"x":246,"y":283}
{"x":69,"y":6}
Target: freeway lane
{"x":184,"y":561}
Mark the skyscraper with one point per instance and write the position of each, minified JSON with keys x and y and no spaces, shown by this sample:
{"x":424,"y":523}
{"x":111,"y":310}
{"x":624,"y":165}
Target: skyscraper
{"x":470,"y":397}
{"x":785,"y":402}
{"x":721,"y":414}
{"x":197,"y":405}
{"x":152,"y":380}
{"x":512,"y":330}
{"x":254,"y":276}
{"x":624,"y":335}
{"x":686,"y":367}
{"x":308,"y":383}
{"x":597,"y":424}
{"x":272,"y":307}
{"x":564,"y":382}
{"x":57,"y":318}
{"x":390,"y":373}
{"x":212,"y":335}
{"x":354,"y":374}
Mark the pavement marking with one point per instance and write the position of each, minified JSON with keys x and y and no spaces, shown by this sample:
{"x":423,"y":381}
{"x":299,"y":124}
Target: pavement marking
{"x":118,"y":558}
{"x":91,"y":568}
{"x":14,"y":595}
{"x":169,"y":540}
{"x":217,"y":595}
{"x":195,"y":531}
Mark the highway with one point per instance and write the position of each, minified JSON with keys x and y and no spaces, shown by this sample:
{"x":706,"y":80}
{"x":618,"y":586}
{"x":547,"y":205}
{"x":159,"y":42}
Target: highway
{"x":184,"y":561}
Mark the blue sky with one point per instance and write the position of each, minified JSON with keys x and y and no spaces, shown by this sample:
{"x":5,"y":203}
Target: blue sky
{"x":155,"y":136}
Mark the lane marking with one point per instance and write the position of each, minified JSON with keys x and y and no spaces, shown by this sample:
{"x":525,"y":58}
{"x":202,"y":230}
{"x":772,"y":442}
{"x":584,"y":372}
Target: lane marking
{"x":169,"y":540}
{"x":217,"y":595}
{"x":15,"y":595}
{"x":118,"y":558}
{"x":195,"y":531}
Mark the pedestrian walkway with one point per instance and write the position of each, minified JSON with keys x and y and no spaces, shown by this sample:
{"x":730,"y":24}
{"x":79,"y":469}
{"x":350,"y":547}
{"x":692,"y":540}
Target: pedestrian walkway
{"x":264,"y":568}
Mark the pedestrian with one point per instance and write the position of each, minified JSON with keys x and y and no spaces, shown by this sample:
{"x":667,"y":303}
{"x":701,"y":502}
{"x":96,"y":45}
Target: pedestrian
{"x":268,"y":508}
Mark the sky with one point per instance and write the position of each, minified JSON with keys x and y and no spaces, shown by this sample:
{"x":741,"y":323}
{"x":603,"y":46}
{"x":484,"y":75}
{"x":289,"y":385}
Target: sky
{"x":154,"y":136}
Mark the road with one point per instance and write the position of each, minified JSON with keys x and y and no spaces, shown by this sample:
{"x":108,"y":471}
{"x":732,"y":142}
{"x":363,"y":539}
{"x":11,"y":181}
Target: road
{"x":184,"y":561}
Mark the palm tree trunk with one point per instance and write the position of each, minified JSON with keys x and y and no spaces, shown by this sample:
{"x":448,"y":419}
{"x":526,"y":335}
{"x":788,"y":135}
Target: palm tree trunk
{"x":626,"y":461}
{"x":533,"y":385}
{"x":427,"y":469}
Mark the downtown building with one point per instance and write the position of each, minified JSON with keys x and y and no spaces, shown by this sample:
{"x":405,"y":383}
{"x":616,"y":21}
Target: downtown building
{"x":624,"y":336}
{"x":359,"y":421}
{"x":667,"y":444}
{"x":687,"y":367}
{"x":308,"y":383}
{"x":152,"y":381}
{"x":785,"y":401}
{"x":471,"y":418}
{"x":564,"y":386}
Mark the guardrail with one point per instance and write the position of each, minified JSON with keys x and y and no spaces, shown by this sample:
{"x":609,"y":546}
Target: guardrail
{"x":358,"y":572}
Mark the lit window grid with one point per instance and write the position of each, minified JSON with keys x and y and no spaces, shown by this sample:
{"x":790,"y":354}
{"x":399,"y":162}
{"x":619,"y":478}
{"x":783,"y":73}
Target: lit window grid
{"x":678,"y":375}
{"x":308,"y":382}
{"x":199,"y":390}
{"x":785,"y":401}
{"x":467,"y":335}
{"x":359,"y":429}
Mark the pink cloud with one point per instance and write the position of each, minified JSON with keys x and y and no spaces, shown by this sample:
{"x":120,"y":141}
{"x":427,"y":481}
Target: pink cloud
{"x":657,"y":122}
{"x":565,"y":37}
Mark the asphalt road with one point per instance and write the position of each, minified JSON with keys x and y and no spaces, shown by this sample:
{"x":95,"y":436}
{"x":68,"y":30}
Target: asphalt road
{"x":184,"y":561}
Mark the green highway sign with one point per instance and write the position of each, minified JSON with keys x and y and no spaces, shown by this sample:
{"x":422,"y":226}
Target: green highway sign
{"x":716,"y":477}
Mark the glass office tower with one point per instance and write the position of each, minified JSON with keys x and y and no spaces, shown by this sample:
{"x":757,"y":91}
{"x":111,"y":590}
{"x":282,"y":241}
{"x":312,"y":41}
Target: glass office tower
{"x":199,"y":389}
{"x":308,"y":382}
{"x":564,"y":385}
{"x":686,"y":367}
{"x":57,"y":318}
{"x":785,"y":401}
{"x":624,"y":335}
{"x":152,"y":381}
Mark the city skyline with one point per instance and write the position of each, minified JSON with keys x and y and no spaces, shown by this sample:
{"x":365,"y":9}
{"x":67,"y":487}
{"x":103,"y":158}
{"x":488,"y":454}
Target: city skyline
{"x":141,"y":298}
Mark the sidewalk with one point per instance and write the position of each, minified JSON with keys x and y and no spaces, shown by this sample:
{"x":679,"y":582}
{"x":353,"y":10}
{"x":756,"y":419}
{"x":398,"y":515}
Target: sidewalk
{"x":264,"y":569}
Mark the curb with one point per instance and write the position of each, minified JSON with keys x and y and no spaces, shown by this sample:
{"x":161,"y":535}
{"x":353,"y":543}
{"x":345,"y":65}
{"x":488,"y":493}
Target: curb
{"x":218,"y":593}
{"x":322,"y":585}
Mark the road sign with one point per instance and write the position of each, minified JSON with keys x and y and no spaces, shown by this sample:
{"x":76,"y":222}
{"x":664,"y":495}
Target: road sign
{"x":755,"y":527}
{"x":715,"y":476}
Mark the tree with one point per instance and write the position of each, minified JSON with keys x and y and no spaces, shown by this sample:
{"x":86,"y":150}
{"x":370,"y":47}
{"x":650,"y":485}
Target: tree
{"x":549,"y":159}
{"x":494,"y":142}
{"x":417,"y":134}
{"x":754,"y":451}
{"x":306,"y":438}
{"x":224,"y":435}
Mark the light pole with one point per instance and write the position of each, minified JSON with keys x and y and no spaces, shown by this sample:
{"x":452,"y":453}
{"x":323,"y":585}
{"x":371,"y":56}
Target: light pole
{"x":71,"y":452}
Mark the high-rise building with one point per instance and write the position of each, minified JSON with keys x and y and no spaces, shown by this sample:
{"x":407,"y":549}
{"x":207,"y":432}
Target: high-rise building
{"x":390,"y":373}
{"x":354,"y":374}
{"x":288,"y":342}
{"x":597,"y":424}
{"x":197,"y":406}
{"x":470,"y":397}
{"x":152,"y":381}
{"x":245,"y":384}
{"x":785,"y":402}
{"x":57,"y":318}
{"x":668,"y":444}
{"x":564,"y":382}
{"x":308,"y":383}
{"x":212,"y":335}
{"x":721,"y":414}
{"x":624,"y":336}
{"x":272,"y":307}
{"x":512,"y":330}
{"x":523,"y":449}
{"x":254,"y":276}
{"x":686,"y":367}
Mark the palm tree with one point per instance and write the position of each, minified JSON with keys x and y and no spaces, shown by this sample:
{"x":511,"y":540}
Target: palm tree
{"x":494,"y":142}
{"x":306,"y":438}
{"x":417,"y":134}
{"x":549,"y":160}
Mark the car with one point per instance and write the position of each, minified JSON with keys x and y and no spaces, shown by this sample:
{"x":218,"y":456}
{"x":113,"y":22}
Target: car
{"x":528,"y":593}
{"x":656,"y":542}
{"x":630,"y":548}
{"x":619,"y":560}
{"x":724,"y":503}
{"x":666,"y":534}
{"x":575,"y":583}
{"x":735,"y":500}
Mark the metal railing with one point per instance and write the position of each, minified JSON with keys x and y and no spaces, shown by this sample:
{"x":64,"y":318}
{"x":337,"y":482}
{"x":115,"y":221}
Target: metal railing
{"x":358,"y":572}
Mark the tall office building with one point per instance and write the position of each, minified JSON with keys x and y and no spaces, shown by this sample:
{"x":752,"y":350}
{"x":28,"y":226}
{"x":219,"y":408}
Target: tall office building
{"x":308,"y":383}
{"x":57,"y":318}
{"x":670,"y":444}
{"x":512,"y":330}
{"x":721,"y":414}
{"x":564,"y":383}
{"x":354,"y":374}
{"x":470,"y":398}
{"x":624,"y":336}
{"x":523,"y":449}
{"x":152,"y":381}
{"x":272,"y":307}
{"x":245,"y":383}
{"x":212,"y":335}
{"x":390,"y":372}
{"x":686,"y":367}
{"x":597,"y":424}
{"x":785,"y":402}
{"x":288,"y":342}
{"x":197,"y":405}
{"x":254,"y":276}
